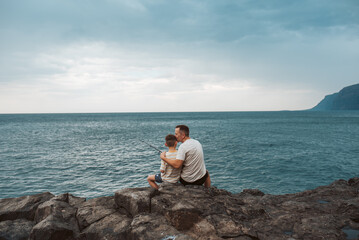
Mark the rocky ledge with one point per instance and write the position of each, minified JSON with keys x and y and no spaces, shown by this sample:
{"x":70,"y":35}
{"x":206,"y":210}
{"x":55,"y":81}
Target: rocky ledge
{"x":194,"y":212}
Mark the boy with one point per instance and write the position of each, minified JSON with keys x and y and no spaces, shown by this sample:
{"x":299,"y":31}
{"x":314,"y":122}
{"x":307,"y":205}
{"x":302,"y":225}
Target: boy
{"x":168,"y":173}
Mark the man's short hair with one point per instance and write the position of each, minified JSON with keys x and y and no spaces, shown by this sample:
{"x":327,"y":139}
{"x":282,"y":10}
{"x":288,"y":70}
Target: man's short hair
{"x":171,"y":140}
{"x":184,"y":129}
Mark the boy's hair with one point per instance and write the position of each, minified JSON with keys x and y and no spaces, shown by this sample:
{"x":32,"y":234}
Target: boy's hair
{"x":171,"y":140}
{"x":184,"y":129}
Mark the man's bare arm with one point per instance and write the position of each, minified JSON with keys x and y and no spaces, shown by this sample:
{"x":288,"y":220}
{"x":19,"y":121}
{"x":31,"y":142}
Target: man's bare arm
{"x":174,"y":163}
{"x":163,"y":166}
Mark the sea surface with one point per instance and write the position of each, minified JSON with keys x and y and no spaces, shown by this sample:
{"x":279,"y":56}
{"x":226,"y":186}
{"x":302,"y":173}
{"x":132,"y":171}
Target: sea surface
{"x":92,"y":155}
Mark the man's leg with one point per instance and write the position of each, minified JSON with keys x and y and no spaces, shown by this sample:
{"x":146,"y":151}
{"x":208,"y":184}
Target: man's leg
{"x":207,"y":183}
{"x":152,"y":181}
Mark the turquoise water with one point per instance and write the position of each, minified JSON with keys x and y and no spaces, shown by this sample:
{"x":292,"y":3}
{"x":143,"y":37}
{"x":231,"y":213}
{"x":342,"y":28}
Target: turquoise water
{"x":92,"y":155}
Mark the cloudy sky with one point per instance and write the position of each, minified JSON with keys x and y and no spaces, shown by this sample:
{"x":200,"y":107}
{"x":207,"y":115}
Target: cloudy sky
{"x":168,"y":55}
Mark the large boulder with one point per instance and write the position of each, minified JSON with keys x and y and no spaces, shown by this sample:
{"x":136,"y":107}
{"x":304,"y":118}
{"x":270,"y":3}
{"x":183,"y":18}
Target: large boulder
{"x":18,"y":229}
{"x":135,"y":200}
{"x":203,"y":229}
{"x":190,"y":198}
{"x":225,"y":226}
{"x":70,"y":199}
{"x":112,"y":227}
{"x":312,"y":227}
{"x":94,"y":210}
{"x":320,"y":213}
{"x":182,"y":215}
{"x":55,"y":227}
{"x":56,"y":219}
{"x":154,"y":227}
{"x":22,"y":207}
{"x":54,"y":207}
{"x":184,"y":207}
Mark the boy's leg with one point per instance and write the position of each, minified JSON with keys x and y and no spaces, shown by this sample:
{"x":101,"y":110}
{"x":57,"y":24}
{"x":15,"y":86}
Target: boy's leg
{"x":152,"y":181}
{"x":207,"y":183}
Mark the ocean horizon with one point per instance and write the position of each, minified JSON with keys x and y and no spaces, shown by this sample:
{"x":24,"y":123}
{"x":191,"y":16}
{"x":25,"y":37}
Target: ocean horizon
{"x":95,"y":154}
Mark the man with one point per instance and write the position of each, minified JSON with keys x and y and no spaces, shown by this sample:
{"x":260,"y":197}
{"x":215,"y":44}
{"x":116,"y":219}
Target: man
{"x":190,"y":158}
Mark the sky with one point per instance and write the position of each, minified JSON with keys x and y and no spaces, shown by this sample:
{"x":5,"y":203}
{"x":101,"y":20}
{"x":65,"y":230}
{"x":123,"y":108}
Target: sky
{"x":72,"y":56}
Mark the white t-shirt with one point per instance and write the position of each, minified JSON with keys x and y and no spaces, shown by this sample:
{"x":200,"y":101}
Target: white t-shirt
{"x":193,"y":167}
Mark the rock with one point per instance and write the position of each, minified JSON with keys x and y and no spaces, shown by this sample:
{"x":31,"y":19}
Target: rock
{"x":197,"y":199}
{"x":231,"y":205}
{"x":253,"y":212}
{"x":253,"y":192}
{"x":182,"y":206}
{"x":18,"y":229}
{"x":70,"y":199}
{"x":75,"y":201}
{"x":203,"y":230}
{"x":54,"y":207}
{"x":285,"y":222}
{"x":354,"y":182}
{"x":183,"y":215}
{"x":135,"y":200}
{"x":111,"y":227}
{"x":152,"y":226}
{"x":54,"y":227}
{"x":62,"y":197}
{"x":225,"y":226}
{"x":94,"y":210}
{"x":296,"y":206}
{"x":56,"y":219}
{"x":191,"y":212}
{"x":315,"y":226}
{"x":22,"y":207}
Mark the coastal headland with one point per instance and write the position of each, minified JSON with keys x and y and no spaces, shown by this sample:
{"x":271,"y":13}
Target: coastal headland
{"x":191,"y":212}
{"x":346,"y":99}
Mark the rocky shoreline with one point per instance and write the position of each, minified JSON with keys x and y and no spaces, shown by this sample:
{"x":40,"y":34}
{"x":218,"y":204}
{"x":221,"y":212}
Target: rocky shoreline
{"x":191,"y":212}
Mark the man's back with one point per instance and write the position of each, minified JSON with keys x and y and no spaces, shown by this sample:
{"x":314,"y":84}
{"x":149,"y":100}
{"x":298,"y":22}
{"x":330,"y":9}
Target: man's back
{"x":191,"y":153}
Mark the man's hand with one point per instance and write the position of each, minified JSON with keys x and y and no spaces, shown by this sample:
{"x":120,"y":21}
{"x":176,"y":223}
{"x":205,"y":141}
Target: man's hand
{"x":174,"y":163}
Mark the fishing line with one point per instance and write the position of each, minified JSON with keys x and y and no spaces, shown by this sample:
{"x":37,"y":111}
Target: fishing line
{"x":151,"y":146}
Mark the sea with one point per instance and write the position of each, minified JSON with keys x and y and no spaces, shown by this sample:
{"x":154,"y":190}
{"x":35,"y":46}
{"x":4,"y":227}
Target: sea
{"x":96,"y":154}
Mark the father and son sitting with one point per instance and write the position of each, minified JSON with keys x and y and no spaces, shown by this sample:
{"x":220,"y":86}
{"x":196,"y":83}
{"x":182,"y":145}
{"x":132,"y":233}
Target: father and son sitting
{"x":186,"y":164}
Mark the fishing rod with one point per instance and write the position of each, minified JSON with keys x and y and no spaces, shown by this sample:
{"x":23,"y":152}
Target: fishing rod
{"x":151,"y":146}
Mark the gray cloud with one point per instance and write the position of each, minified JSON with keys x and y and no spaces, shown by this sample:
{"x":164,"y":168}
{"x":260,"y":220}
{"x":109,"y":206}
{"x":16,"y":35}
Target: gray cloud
{"x":204,"y":45}
{"x":173,"y":20}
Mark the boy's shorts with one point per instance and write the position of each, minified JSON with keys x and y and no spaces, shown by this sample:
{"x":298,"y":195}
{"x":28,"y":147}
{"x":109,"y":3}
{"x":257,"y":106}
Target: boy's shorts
{"x":158,"y":178}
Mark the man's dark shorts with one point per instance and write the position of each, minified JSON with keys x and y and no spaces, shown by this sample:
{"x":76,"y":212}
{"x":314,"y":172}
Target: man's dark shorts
{"x":198,"y":182}
{"x":158,"y":178}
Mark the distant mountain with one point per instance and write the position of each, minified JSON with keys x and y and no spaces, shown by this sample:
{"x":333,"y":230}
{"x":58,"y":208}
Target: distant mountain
{"x":346,"y":99}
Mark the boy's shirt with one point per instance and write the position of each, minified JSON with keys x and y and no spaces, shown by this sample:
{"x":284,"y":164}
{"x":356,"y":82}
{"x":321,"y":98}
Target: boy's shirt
{"x":170,"y":173}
